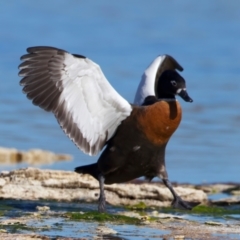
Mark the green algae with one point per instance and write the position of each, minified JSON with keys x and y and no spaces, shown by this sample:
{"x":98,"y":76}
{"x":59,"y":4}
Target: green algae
{"x":200,"y":209}
{"x":16,"y":227}
{"x":5,"y":207}
{"x":204,"y":210}
{"x":139,"y":206}
{"x":102,"y":217}
{"x":214,"y":210}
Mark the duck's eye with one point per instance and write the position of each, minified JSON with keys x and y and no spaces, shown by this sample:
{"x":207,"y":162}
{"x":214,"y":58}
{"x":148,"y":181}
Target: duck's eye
{"x":174,"y":83}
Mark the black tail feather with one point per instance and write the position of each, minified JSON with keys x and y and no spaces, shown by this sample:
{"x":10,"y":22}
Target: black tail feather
{"x":91,"y":169}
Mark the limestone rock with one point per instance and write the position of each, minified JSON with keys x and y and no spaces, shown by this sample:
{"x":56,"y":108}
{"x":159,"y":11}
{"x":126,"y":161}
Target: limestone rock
{"x":217,"y":187}
{"x":33,"y":184}
{"x":227,"y":201}
{"x":33,"y":156}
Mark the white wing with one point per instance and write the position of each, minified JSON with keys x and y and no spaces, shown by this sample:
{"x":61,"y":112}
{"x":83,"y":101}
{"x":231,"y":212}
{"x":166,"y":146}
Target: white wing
{"x":151,"y":75}
{"x":74,"y":88}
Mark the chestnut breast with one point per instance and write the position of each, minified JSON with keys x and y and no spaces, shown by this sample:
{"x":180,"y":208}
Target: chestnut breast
{"x":160,"y":120}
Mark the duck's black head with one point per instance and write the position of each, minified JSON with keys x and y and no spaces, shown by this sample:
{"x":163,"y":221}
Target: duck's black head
{"x":171,"y":83}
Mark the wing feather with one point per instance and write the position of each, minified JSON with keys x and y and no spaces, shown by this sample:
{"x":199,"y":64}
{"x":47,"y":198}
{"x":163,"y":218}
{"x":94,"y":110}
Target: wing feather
{"x":74,"y":88}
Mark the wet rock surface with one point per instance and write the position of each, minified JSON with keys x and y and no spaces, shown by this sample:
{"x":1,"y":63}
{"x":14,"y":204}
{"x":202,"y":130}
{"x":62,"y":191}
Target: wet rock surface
{"x":25,"y":220}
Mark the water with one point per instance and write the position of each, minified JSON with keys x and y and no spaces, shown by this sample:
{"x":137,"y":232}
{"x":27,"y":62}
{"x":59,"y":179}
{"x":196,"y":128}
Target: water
{"x":23,"y":217}
{"x":53,"y":223}
{"x":124,"y":37}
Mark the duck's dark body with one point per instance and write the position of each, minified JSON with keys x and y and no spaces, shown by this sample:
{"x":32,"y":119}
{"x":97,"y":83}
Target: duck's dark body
{"x":138,"y":149}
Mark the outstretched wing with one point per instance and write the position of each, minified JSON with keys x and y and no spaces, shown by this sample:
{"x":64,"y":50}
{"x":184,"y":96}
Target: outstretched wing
{"x":151,"y":75}
{"x":74,"y":88}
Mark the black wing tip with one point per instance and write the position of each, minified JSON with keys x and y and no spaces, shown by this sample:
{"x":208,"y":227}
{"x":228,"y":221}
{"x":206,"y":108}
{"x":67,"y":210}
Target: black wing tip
{"x":78,"y":56}
{"x":180,"y":68}
{"x":35,"y":49}
{"x":42,"y":48}
{"x":177,"y":65}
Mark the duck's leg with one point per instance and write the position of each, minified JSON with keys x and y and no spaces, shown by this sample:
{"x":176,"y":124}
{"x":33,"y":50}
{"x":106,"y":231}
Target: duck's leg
{"x":177,"y":200}
{"x":93,"y":170}
{"x":102,"y":199}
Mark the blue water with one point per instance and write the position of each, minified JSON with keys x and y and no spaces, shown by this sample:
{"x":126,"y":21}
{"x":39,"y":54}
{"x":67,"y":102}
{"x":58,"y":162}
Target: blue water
{"x":123,"y":37}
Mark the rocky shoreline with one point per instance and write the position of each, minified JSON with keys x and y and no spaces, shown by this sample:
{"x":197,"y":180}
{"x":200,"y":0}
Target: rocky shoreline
{"x":33,"y":184}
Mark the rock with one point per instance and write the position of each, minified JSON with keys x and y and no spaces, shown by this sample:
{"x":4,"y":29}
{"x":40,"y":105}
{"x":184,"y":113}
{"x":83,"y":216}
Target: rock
{"x":33,"y":156}
{"x":213,"y":223}
{"x":216,"y":188}
{"x":105,"y":230}
{"x":235,"y":192}
{"x":179,"y":237}
{"x":42,"y":208}
{"x":9,"y":236}
{"x":227,"y":201}
{"x":34,"y":184}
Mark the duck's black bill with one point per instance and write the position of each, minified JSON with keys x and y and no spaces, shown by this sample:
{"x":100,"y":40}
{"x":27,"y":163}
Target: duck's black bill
{"x":184,"y":95}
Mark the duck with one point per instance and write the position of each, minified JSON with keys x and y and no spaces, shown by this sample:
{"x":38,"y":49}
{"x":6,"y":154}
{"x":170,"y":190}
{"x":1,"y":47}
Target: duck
{"x":132,"y":138}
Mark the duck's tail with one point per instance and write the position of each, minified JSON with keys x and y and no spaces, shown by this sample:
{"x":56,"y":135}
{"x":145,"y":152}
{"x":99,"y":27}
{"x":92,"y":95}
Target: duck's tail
{"x":91,"y":169}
